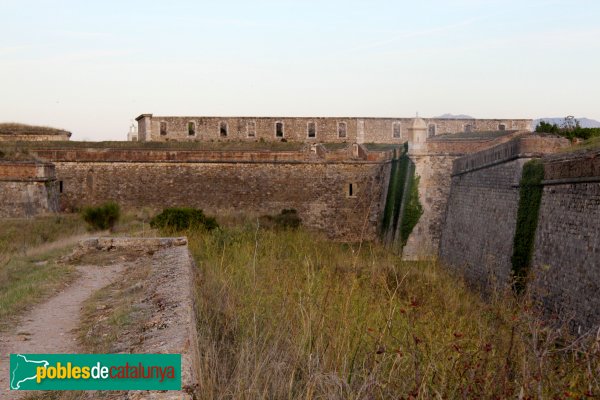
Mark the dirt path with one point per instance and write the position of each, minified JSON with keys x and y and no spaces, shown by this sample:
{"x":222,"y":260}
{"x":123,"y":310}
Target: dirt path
{"x":48,"y":327}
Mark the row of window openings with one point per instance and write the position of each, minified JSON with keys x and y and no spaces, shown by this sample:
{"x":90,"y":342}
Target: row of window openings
{"x":311,"y":129}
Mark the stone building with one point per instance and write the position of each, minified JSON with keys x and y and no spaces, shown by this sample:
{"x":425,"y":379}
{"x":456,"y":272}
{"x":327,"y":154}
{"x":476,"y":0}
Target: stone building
{"x":309,"y":129}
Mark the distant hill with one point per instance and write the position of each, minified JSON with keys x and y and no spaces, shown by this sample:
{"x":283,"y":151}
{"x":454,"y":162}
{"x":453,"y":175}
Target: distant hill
{"x":584,"y":122}
{"x":452,"y":116}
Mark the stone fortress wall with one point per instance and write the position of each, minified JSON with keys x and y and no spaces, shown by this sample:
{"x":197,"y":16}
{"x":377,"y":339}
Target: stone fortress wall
{"x":339,"y":193}
{"x":27,"y":188}
{"x":481,"y":219}
{"x":308,"y":129}
{"x":338,"y":182}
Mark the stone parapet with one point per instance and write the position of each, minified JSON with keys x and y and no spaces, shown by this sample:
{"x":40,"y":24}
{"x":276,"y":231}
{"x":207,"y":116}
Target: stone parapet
{"x":529,"y":146}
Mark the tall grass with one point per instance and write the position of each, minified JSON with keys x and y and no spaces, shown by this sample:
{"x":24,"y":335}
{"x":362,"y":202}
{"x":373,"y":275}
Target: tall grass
{"x":19,"y":235}
{"x":288,"y":315}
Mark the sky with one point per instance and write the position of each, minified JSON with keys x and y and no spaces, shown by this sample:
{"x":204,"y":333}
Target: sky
{"x":92,"y":67}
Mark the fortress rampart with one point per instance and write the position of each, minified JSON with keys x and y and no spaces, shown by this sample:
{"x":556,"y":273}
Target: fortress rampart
{"x":336,"y":192}
{"x":27,"y":188}
{"x":481,"y":221}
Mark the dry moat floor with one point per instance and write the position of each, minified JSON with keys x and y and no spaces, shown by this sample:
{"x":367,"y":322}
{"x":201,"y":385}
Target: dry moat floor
{"x":287,"y":314}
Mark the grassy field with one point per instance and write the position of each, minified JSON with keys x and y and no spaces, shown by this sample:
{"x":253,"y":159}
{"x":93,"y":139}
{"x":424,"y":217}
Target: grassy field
{"x":288,"y":315}
{"x":29,"y":249}
{"x":19,"y":235}
{"x":28,"y":269}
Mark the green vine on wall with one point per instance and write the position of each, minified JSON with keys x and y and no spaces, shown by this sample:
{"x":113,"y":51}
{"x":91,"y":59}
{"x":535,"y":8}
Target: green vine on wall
{"x":412,"y":211}
{"x":393,"y":202}
{"x":530,"y":198}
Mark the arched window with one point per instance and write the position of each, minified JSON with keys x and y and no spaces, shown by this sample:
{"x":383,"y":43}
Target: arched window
{"x":431,"y":130}
{"x":223,"y":128}
{"x":278,"y":129}
{"x":251,"y":129}
{"x":342,"y":129}
{"x":396,"y":131}
{"x":311,"y":129}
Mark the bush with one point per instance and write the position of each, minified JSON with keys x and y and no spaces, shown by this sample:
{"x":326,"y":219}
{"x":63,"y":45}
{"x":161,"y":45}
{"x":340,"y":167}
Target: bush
{"x":182,"y":218}
{"x":102,"y":217}
{"x":287,"y":219}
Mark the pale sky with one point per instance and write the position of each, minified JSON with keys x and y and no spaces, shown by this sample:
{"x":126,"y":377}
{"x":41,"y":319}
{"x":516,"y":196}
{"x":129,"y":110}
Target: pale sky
{"x":92,"y":67}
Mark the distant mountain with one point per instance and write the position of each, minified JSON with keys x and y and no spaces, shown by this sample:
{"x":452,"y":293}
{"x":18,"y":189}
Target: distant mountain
{"x":452,"y":116}
{"x":584,"y":122}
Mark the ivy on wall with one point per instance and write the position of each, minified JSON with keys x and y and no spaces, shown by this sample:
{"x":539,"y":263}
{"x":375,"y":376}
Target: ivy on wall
{"x":402,"y":208}
{"x":412,"y":210}
{"x":395,"y":191}
{"x":530,"y":198}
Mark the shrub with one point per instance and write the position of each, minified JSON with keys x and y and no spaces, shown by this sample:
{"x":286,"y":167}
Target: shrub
{"x":287,"y":219}
{"x":181,"y":218}
{"x":102,"y":217}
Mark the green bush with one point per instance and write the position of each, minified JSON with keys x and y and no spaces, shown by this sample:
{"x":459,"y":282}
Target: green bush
{"x":570,"y":132}
{"x":102,"y":217}
{"x":182,"y":218}
{"x":287,"y":219}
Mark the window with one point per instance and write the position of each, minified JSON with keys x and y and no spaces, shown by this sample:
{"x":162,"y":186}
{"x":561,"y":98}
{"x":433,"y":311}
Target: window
{"x":311,"y":129}
{"x":431,"y":130}
{"x":351,"y":190}
{"x":468,"y":128}
{"x":223,"y":129}
{"x":163,"y":128}
{"x":191,"y":128}
{"x":278,"y":129}
{"x":341,"y":129}
{"x":60,"y":186}
{"x":502,"y":127}
{"x":396,"y":133}
{"x":251,"y":128}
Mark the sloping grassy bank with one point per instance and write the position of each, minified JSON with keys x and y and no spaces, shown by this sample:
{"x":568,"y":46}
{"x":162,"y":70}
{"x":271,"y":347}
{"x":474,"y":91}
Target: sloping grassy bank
{"x":288,"y":315}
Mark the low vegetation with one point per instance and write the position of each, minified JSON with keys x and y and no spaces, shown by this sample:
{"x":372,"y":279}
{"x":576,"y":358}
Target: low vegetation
{"x":569,"y":129}
{"x":102,"y":217}
{"x":287,"y":219}
{"x":181,"y":218}
{"x":287,"y":314}
{"x":13,"y":128}
{"x":26,"y":280}
{"x":28,"y":269}
{"x":19,"y":235}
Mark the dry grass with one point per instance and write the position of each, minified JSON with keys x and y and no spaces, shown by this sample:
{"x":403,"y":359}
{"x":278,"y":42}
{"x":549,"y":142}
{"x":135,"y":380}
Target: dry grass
{"x":27,"y":280}
{"x":19,"y":235}
{"x":28,"y":269}
{"x":115,"y":310}
{"x":14,"y":128}
{"x":289,"y":315}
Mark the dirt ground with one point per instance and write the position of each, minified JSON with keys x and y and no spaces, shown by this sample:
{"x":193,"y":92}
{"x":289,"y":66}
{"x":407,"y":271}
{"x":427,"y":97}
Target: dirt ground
{"x":49,"y":327}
